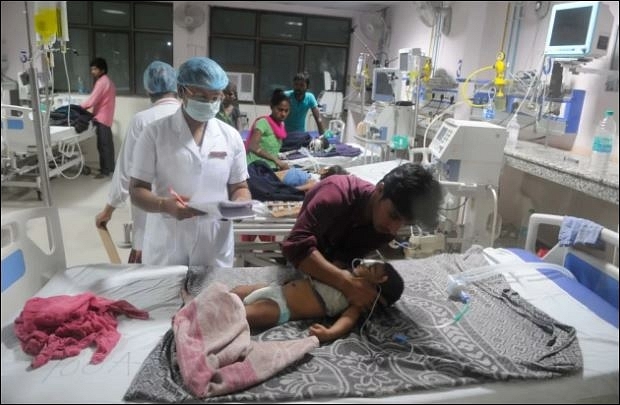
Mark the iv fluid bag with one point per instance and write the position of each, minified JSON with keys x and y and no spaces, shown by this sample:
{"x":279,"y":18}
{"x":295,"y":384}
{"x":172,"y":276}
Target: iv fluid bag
{"x":46,"y":21}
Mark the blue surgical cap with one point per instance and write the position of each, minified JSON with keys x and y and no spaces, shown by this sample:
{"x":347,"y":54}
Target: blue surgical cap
{"x":160,"y":77}
{"x":202,"y":72}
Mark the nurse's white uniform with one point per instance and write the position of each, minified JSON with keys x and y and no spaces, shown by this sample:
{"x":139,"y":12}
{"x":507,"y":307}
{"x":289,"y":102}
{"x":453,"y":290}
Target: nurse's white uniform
{"x":119,"y":189}
{"x":167,"y":156}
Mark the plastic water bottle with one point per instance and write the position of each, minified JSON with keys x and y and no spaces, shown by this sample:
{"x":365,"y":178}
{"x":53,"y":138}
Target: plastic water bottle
{"x":513,"y":133}
{"x":489,"y":110}
{"x":603,"y":143}
{"x":525,"y":221}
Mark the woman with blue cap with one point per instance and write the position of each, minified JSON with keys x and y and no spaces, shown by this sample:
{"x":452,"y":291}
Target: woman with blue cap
{"x":160,"y":82}
{"x":190,"y":155}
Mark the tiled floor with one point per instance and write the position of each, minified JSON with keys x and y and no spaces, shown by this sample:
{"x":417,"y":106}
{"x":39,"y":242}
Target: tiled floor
{"x":78,"y":201}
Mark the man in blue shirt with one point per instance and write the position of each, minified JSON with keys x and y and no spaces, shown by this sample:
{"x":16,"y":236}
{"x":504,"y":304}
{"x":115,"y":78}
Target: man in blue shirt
{"x":301,"y":101}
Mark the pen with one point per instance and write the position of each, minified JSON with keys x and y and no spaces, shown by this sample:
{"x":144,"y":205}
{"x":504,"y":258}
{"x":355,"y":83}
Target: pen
{"x":177,"y":197}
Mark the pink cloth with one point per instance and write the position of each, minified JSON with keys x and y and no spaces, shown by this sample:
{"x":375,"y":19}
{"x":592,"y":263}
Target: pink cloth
{"x":215,"y":353}
{"x":61,"y":326}
{"x":278,"y":128}
{"x":102,"y":100}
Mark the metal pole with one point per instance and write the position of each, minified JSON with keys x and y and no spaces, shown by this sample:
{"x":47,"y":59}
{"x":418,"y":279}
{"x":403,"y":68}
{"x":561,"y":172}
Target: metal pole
{"x":44,"y":179}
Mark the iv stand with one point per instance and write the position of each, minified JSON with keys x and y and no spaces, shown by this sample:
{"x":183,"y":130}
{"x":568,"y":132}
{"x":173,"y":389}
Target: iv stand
{"x":44,"y":179}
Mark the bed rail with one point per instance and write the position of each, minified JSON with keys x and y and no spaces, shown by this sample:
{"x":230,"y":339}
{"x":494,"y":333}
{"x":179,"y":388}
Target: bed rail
{"x":599,"y":275}
{"x":29,"y":261}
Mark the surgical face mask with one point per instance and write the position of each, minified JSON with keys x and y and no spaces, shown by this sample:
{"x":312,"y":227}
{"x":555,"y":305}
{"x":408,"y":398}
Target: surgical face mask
{"x":202,"y":111}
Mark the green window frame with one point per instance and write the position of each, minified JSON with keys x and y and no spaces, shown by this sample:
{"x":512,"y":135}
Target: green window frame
{"x":274,"y":46}
{"x":129,"y":35}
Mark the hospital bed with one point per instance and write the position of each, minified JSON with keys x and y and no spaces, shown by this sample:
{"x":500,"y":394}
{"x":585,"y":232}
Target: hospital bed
{"x":370,"y":366}
{"x":19,"y":158}
{"x":313,"y":161}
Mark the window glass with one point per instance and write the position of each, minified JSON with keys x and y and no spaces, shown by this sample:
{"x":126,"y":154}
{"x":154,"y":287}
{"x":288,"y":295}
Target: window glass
{"x":328,"y":30}
{"x":149,"y":48}
{"x":324,"y":58}
{"x":77,"y":58}
{"x":152,"y":16}
{"x":114,"y":48}
{"x":232,"y":52}
{"x":77,"y":12}
{"x":281,"y":26}
{"x":237,"y":22}
{"x":277,"y":75}
{"x":111,"y":14}
{"x":127,"y":48}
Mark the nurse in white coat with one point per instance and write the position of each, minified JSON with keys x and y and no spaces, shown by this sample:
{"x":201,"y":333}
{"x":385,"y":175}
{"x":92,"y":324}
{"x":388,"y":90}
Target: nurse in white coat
{"x":192,"y":153}
{"x":160,"y":82}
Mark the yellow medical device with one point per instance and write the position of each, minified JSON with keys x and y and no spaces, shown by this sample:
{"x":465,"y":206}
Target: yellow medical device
{"x":500,"y":69}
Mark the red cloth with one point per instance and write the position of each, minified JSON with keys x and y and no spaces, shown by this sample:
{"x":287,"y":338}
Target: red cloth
{"x":61,"y":326}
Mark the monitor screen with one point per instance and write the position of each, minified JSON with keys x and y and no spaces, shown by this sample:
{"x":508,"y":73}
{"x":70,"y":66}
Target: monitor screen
{"x":404,"y":62}
{"x":570,"y":26}
{"x":382,"y":84}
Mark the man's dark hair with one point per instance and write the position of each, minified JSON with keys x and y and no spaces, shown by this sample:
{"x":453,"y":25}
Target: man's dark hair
{"x":392,"y":288}
{"x":415,"y":193}
{"x":100,"y":64}
{"x":302,"y":76}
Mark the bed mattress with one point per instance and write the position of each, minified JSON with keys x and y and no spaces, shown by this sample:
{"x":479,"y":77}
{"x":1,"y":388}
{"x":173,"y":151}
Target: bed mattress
{"x":156,"y":289}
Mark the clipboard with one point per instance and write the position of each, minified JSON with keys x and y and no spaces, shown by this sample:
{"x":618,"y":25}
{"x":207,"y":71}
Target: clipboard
{"x":109,"y":246}
{"x":231,"y":210}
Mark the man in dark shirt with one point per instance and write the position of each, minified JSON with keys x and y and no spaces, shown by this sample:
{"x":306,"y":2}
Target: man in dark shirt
{"x":344,"y":217}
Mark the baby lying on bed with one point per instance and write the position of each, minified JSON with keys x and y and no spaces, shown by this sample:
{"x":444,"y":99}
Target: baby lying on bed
{"x":269,"y":305}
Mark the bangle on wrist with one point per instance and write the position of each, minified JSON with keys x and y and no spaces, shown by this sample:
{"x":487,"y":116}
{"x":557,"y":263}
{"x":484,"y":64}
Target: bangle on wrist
{"x":160,"y":204}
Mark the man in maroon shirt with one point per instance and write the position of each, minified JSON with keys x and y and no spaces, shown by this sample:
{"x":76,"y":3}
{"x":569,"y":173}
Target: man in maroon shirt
{"x":344,"y":217}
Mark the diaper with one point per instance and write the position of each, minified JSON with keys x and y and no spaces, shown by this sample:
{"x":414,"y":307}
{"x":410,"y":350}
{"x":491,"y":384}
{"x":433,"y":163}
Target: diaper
{"x":274,"y":293}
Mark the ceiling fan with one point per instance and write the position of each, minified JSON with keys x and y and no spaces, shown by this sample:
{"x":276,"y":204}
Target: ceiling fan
{"x":189,"y":16}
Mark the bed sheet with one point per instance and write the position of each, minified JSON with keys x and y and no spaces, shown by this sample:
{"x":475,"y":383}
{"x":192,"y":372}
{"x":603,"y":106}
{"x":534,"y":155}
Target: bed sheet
{"x":373,"y":368}
{"x":60,"y":134}
{"x":73,"y":380}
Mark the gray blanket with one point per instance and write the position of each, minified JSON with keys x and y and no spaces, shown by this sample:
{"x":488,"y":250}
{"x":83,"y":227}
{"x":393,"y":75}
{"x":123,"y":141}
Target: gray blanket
{"x":399,"y":350}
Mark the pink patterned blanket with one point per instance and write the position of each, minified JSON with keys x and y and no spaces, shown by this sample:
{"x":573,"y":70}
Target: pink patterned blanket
{"x":214,"y":351}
